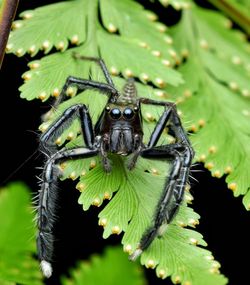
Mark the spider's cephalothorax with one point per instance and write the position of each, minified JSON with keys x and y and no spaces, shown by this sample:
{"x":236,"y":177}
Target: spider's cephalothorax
{"x":118,"y":130}
{"x":121,"y":124}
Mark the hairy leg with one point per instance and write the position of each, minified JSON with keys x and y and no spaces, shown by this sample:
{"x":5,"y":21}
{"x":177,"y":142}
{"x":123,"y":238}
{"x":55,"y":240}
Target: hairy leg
{"x":181,"y":155}
{"x":48,"y":196}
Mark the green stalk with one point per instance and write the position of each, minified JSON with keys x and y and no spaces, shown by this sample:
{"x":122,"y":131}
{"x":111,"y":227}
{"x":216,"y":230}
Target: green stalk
{"x":234,"y":11}
{"x":7,"y":14}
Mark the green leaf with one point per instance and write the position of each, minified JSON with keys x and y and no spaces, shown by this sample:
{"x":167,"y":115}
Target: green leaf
{"x":131,"y":211}
{"x":56,"y":28}
{"x":17,"y":233}
{"x":113,"y":265}
{"x":148,"y":66}
{"x":154,"y":39}
{"x":176,"y":4}
{"x":216,"y":100}
{"x":236,"y":10}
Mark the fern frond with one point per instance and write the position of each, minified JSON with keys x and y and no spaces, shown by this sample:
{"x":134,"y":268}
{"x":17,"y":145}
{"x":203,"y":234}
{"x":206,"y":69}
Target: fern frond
{"x":131,"y":210}
{"x":113,"y":263}
{"x":120,"y":39}
{"x":216,"y":99}
{"x":17,"y":232}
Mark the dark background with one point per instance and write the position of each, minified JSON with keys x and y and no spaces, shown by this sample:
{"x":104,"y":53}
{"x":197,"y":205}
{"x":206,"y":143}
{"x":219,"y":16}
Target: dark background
{"x":224,"y":221}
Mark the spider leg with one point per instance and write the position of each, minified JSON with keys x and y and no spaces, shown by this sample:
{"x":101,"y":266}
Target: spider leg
{"x":100,"y":62}
{"x":48,"y":197}
{"x":181,"y":153}
{"x":84,"y":84}
{"x":176,"y":128}
{"x":49,"y":192}
{"x":47,"y":139}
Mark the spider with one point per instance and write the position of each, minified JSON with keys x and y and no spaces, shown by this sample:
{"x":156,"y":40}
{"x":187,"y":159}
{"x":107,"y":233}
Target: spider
{"x":118,"y":130}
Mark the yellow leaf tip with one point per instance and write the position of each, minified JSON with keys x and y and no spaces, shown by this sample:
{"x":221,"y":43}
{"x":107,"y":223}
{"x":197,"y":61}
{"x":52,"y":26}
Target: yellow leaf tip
{"x":166,"y":62}
{"x":202,"y":158}
{"x":116,"y":230}
{"x":112,"y":28}
{"x":128,"y":72}
{"x":92,"y":164}
{"x":17,"y":25}
{"x":127,"y":248}
{"x":228,"y":169}
{"x":204,"y":44}
{"x":56,"y":92}
{"x":245,"y":93}
{"x":97,"y":202}
{"x":160,"y":82}
{"x":161,"y":273}
{"x":156,"y":53}
{"x":80,"y":186}
{"x":114,"y":70}
{"x":73,"y":175}
{"x":209,"y":165}
{"x":212,"y":149}
{"x":32,"y":49}
{"x":75,"y":39}
{"x":107,"y":195}
{"x":103,"y":222}
{"x":144,"y":77}
{"x":42,"y":96}
{"x":46,"y":44}
{"x":27,"y":15}
{"x":60,"y":46}
{"x":71,"y":91}
{"x":232,"y":186}
{"x":151,"y":16}
{"x":70,"y":136}
{"x":176,"y":279}
{"x":27,"y":76}
{"x":19,"y":52}
{"x":150,"y":263}
{"x":217,"y":174}
{"x":233,"y":86}
{"x":193,"y":241}
{"x":201,"y":123}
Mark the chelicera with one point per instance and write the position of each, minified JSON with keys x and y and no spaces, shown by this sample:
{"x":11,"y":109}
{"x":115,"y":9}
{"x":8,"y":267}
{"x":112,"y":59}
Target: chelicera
{"x":118,"y":130}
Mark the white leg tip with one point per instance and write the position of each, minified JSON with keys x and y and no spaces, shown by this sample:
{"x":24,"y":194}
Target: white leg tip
{"x":162,"y":229}
{"x":135,"y":254}
{"x":46,"y":268}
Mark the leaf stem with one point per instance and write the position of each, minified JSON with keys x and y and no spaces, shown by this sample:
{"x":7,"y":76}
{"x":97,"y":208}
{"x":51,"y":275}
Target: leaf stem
{"x":235,"y":12}
{"x":7,"y":14}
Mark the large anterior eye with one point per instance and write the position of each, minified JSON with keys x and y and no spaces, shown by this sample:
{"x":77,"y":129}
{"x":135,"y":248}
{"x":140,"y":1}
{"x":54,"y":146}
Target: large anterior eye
{"x":115,"y":113}
{"x":128,"y":113}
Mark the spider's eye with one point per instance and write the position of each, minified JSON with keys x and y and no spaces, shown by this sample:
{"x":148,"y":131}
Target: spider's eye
{"x":128,"y":113}
{"x":115,"y":113}
{"x":107,"y":108}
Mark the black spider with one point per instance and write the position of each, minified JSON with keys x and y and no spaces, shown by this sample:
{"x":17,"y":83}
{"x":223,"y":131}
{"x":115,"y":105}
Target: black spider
{"x":118,"y":130}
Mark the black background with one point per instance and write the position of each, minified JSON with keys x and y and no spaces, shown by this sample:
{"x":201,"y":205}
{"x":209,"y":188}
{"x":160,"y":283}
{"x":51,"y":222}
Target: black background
{"x":224,"y":221}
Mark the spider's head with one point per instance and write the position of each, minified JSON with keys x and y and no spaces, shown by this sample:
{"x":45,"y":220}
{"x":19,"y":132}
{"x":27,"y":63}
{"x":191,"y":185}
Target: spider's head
{"x":122,"y":124}
{"x":121,"y":111}
{"x":121,"y":121}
